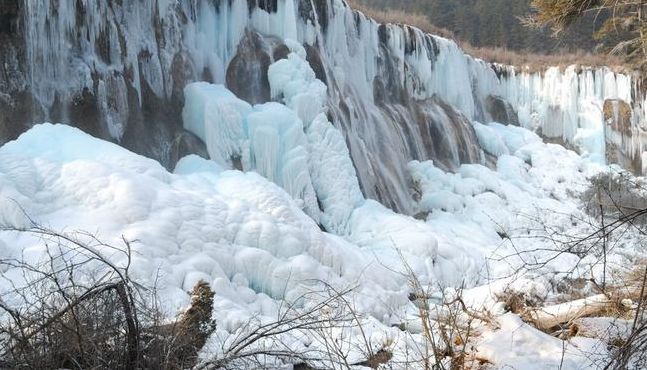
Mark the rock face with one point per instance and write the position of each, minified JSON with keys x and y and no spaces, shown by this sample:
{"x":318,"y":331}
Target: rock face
{"x":15,"y":101}
{"x":247,"y":72}
{"x":621,"y":134}
{"x":67,"y":62}
{"x":117,"y":69}
{"x":501,"y":111}
{"x":618,"y":114}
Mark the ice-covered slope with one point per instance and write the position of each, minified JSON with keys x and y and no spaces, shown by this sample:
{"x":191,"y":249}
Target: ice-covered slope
{"x":118,"y":70}
{"x":255,"y":246}
{"x":293,"y":144}
{"x":200,"y":223}
{"x":574,"y":107}
{"x":237,"y":231}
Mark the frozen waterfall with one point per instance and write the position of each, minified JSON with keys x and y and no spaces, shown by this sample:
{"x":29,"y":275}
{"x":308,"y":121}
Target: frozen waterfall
{"x":118,"y":70}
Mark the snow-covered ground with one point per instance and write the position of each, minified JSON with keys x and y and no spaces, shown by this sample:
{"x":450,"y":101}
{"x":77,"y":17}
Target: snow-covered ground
{"x":256,"y":236}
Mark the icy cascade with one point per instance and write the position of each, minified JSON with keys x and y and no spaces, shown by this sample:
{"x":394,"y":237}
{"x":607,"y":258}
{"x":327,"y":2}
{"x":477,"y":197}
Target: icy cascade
{"x":118,"y":70}
{"x":569,"y":106}
{"x":294,"y":145}
{"x":267,"y":138}
{"x":124,"y":66}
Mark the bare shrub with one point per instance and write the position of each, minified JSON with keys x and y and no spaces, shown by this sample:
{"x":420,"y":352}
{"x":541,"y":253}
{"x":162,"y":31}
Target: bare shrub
{"x":448,"y":326}
{"x":616,"y":194}
{"x":616,"y":203}
{"x":326,"y":319}
{"x":632,"y":351}
{"x":76,"y":309}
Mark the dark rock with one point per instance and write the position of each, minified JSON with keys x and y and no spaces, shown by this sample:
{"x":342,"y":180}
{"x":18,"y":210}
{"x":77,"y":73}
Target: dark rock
{"x":247,"y":72}
{"x":303,"y":366}
{"x":181,"y":72}
{"x":501,"y":111}
{"x":15,"y":116}
{"x":9,"y":16}
{"x":270,"y":6}
{"x":410,"y":45}
{"x":152,"y":125}
{"x":388,"y":87}
{"x":236,"y":162}
{"x":17,"y":106}
{"x":84,"y":114}
{"x":323,"y":14}
{"x":281,"y":51}
{"x":186,"y":143}
{"x":449,"y":134}
{"x":421,"y":216}
{"x":314,"y":59}
{"x":316,"y":12}
{"x":376,"y":360}
{"x":102,"y":46}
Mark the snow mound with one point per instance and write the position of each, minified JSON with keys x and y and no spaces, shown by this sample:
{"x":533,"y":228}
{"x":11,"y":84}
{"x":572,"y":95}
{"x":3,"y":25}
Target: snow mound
{"x":499,"y":213}
{"x":517,"y":345}
{"x":252,"y":241}
{"x":237,"y":231}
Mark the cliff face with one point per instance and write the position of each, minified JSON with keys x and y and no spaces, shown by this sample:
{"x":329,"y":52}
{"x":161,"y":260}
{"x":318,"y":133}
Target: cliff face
{"x":117,"y":69}
{"x":15,"y":102}
{"x":97,"y":66}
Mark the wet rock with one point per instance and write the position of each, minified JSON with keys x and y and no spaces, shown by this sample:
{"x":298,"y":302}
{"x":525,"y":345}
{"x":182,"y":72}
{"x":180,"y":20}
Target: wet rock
{"x":84,"y":114}
{"x":314,"y":59}
{"x":152,"y":125}
{"x":186,"y":143}
{"x":501,"y":111}
{"x":316,"y":12}
{"x":280,"y":52}
{"x":15,"y":115}
{"x":9,"y":16}
{"x":270,"y":6}
{"x":449,"y":134}
{"x":247,"y":72}
{"x":181,"y":74}
{"x":17,"y":106}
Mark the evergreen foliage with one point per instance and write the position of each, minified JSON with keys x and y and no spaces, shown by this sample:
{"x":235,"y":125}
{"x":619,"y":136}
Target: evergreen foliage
{"x":623,"y":30}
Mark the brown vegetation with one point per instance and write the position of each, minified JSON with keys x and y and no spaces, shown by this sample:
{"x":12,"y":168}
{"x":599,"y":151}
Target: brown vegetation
{"x":396,"y":16}
{"x":529,"y":62}
{"x":624,"y":30}
{"x":64,"y":316}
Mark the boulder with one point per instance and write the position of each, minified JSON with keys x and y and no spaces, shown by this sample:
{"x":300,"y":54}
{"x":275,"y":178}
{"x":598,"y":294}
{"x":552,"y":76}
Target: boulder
{"x":501,"y":111}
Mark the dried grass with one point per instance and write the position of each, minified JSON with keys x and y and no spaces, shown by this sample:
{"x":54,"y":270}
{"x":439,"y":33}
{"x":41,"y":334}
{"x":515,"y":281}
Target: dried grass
{"x":528,"y":62}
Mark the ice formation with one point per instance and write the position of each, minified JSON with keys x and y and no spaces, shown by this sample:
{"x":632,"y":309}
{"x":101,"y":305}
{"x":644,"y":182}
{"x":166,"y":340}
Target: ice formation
{"x":254,"y":244}
{"x":295,"y":146}
{"x":343,"y":117}
{"x":395,"y":93}
{"x":200,"y":223}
